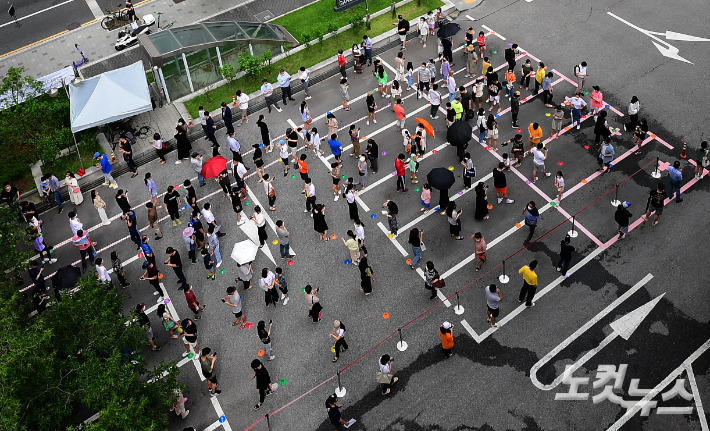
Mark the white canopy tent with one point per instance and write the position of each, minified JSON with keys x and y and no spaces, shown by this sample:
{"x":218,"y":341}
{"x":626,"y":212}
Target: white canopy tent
{"x":109,"y":97}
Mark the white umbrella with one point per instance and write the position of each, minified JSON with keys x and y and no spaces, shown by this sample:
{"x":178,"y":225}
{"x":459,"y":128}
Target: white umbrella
{"x":244,"y":251}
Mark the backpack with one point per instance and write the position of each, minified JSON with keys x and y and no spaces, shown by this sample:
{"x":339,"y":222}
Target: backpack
{"x":576,"y":70}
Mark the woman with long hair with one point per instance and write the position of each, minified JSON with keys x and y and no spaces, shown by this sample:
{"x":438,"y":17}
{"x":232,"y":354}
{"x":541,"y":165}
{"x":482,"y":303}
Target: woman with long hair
{"x":100,"y":206}
{"x":319,"y":224}
{"x":152,"y":188}
{"x":338,"y":333}
{"x":381,"y":76}
{"x":481,"y":212}
{"x":183,"y":143}
{"x":168,"y":322}
{"x":453,"y":216}
{"x":305,"y":116}
{"x":415,"y":240}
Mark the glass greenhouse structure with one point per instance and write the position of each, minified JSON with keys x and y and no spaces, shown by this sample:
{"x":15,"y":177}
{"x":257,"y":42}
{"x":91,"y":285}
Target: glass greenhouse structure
{"x":188,"y":58}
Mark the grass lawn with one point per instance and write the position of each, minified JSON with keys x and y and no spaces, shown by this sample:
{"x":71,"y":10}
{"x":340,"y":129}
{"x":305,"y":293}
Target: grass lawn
{"x":316,"y":53}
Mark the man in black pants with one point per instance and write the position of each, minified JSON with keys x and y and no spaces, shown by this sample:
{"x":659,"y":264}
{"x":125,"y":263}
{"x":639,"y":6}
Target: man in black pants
{"x":510,"y":54}
{"x":527,"y":292}
{"x":515,"y":108}
{"x":227,"y":118}
{"x":172,"y":205}
{"x":210,"y":129}
{"x":175,"y":263}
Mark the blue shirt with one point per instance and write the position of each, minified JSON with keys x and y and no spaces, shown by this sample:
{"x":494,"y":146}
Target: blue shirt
{"x":546,"y":83}
{"x":367,"y":43}
{"x":675,"y":174}
{"x":284,"y":79}
{"x":132,"y":218}
{"x":146,"y":248}
{"x":530,"y":218}
{"x":266,"y":87}
{"x":54,"y":183}
{"x":105,"y":164}
{"x":335,"y":146}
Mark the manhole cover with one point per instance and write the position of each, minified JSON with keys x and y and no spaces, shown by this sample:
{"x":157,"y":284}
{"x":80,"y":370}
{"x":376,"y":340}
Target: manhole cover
{"x":73,"y":25}
{"x":264,"y":16}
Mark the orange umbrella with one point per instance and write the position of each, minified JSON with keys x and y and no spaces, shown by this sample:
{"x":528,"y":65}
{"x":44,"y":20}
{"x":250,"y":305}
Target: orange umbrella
{"x":427,"y":126}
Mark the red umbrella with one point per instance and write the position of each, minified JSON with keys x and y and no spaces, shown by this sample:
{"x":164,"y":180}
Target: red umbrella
{"x":212,"y":167}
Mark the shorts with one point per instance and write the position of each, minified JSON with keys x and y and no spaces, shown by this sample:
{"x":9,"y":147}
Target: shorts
{"x":402,"y":37}
{"x":494,"y":311}
{"x":556,"y":125}
{"x":560,"y":189}
{"x":659,"y":211}
{"x":308,"y":121}
{"x":238,"y":315}
{"x":480,"y":99}
{"x":400,"y":123}
{"x":622,"y":229}
{"x":284,"y":159}
{"x":492,"y":134}
{"x":336,"y":181}
{"x":538,"y":168}
{"x":259,"y":163}
{"x":210,"y":378}
{"x":304,"y":175}
{"x":426,"y":204}
{"x":149,"y":334}
{"x":370,"y":110}
{"x":503,"y":190}
{"x":494,"y":99}
{"x":187,"y":343}
{"x":244,"y":112}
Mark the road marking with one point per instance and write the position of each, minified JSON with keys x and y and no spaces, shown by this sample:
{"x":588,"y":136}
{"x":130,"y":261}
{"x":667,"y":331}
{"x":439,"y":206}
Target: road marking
{"x":439,"y":294}
{"x":33,"y":14}
{"x":494,"y":33}
{"x":220,"y":413}
{"x":393,"y":239}
{"x":618,"y":330}
{"x":387,"y":65}
{"x":470,"y":17}
{"x":696,"y":395}
{"x":34,"y":43}
{"x":95,"y":9}
{"x":655,"y":391}
{"x":470,"y":330}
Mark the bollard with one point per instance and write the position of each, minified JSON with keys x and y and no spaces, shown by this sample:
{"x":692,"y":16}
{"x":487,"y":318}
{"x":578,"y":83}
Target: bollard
{"x":504,"y":278}
{"x":401,"y":344}
{"x":573,"y":233}
{"x":616,"y":201}
{"x":340,"y":390}
{"x":656,"y":173}
{"x":268,"y":422}
{"x":458,"y":309}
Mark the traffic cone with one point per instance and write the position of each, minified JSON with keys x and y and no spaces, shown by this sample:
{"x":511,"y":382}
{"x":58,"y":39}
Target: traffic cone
{"x":683,"y":155}
{"x":189,"y":121}
{"x":113,"y":157}
{"x":234,"y":101}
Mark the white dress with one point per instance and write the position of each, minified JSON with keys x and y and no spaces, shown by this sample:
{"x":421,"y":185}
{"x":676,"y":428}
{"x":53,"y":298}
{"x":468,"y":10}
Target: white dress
{"x":75,"y":197}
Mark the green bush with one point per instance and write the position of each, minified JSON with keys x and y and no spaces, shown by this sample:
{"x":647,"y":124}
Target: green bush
{"x":250,"y":65}
{"x":229,"y":74}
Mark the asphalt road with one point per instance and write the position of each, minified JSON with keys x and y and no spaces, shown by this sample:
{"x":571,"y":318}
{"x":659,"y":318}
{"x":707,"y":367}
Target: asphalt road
{"x":490,"y":382}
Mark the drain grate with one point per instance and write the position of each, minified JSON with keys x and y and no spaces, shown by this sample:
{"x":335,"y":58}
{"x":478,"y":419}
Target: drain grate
{"x":264,"y":16}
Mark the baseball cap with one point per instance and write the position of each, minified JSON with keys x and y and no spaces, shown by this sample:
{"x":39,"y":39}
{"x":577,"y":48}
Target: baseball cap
{"x":447,"y":325}
{"x":146,"y":264}
{"x":626,"y":204}
{"x":97,"y":154}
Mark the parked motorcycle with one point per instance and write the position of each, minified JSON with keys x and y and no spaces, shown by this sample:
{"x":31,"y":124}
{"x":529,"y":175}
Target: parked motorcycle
{"x":128,"y":35}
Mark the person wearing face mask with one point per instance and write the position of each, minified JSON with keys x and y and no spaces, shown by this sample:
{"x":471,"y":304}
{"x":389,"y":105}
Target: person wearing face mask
{"x":531,"y":218}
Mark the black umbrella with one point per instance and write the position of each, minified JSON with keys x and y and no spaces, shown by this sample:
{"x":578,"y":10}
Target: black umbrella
{"x":459,"y":133}
{"x":440,"y":178}
{"x":448,"y":30}
{"x":66,"y":277}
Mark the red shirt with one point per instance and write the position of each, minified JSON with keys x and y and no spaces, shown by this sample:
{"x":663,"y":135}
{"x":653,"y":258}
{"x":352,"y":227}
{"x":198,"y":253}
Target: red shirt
{"x":302,"y":167}
{"x":341,"y":60}
{"x":190,"y":298}
{"x":399,"y":167}
{"x":399,"y":111}
{"x":481,"y":40}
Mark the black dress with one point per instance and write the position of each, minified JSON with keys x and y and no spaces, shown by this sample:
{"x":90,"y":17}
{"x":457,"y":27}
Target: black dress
{"x":481,"y":204}
{"x":183,"y":143}
{"x":264,"y":133}
{"x":365,"y":280}
{"x":319,"y":223}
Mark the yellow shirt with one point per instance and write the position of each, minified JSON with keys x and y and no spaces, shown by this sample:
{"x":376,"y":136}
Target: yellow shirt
{"x":352,"y":244}
{"x":486,"y":65}
{"x":528,"y":275}
{"x":539,"y":75}
{"x":535,"y":135}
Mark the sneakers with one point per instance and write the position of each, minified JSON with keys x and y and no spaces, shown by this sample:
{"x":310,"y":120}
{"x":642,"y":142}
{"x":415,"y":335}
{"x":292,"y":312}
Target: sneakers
{"x":305,"y":210}
{"x":219,"y":264}
{"x":510,"y":201}
{"x":578,"y":127}
{"x":548,"y":174}
{"x":286,"y":300}
{"x":174,"y":223}
{"x":367,"y":123}
{"x":530,"y":306}
{"x":184,"y":354}
{"x":161,"y":299}
{"x":271,"y":358}
{"x":500,"y":200}
{"x":335,"y":199}
{"x":104,"y":184}
{"x":308,"y":97}
{"x":215,"y":393}
{"x":558,"y":269}
{"x":374,"y":121}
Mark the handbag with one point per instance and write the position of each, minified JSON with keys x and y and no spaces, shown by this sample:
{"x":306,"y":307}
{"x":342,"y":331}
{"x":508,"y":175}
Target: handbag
{"x":272,"y":192}
{"x":77,"y":190}
{"x":470,"y":173}
{"x":168,"y":324}
{"x":383,"y":378}
{"x":439,"y":284}
{"x":706,"y":162}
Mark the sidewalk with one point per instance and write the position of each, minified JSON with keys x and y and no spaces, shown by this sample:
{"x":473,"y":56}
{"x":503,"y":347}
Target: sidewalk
{"x":98,"y":44}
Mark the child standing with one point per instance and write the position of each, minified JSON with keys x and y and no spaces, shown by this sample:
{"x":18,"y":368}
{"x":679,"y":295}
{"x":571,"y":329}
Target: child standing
{"x":408,"y":75}
{"x":209,"y":264}
{"x":557,"y":117}
{"x":414,"y":165}
{"x":481,"y":39}
{"x":430,"y":19}
{"x":283,"y":154}
{"x":560,"y":184}
{"x":282,"y":285}
{"x":426,"y":198}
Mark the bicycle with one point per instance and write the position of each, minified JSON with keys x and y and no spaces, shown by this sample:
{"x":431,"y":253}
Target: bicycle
{"x":111,"y":18}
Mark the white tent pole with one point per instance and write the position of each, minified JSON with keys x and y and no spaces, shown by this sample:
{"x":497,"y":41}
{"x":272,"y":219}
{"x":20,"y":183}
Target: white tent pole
{"x":81,"y":163}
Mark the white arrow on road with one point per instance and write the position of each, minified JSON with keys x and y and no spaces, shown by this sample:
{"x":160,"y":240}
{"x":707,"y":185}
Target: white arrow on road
{"x":664,"y":47}
{"x":622,"y":327}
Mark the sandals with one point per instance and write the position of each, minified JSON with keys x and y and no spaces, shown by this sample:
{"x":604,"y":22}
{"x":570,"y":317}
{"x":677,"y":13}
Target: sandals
{"x":235,"y":323}
{"x":335,"y":359}
{"x":459,"y":238}
{"x":257,"y":406}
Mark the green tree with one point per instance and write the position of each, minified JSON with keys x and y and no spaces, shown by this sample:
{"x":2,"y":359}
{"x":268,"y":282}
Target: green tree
{"x":20,"y":92}
{"x":76,"y":359}
{"x":229,"y":74}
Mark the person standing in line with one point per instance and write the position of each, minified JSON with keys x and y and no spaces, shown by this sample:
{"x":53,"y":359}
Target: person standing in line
{"x":151,"y":275}
{"x":284,"y":239}
{"x":207,"y":360}
{"x":656,"y":200}
{"x":400,"y":164}
{"x":144,"y":323}
{"x":531,"y":217}
{"x":557,"y":117}
{"x":284,"y":80}
{"x":580,"y":71}
{"x":235,"y":147}
{"x":435,"y":100}
{"x":534,"y":135}
{"x":196,"y":161}
{"x":260,"y":221}
{"x":500,"y":184}
{"x":539,"y":76}
{"x":372,"y":153}
{"x":281,"y":283}
{"x":367,"y":50}
{"x":100,"y":206}
{"x":304,"y":75}
{"x":168,"y":322}
{"x":263,"y":382}
{"x":492,"y":132}
{"x":527,"y":292}
{"x":402,"y":30}
{"x":183,"y":142}
{"x":359,"y":232}
{"x":117,"y":266}
{"x":471,"y":61}
{"x":125,"y":147}
{"x":179,"y":406}
{"x":566,"y":250}
{"x":447,"y":337}
{"x":203,"y":122}
{"x":338,"y":334}
{"x":384,"y":376}
{"x":83,"y":242}
{"x":515,"y":108}
{"x":105,"y":165}
{"x":319,"y":223}
{"x":102,"y":273}
{"x":131,"y":223}
{"x":243,"y":101}
{"x":211,"y":128}
{"x":175,"y":263}
{"x":265,"y":337}
{"x":392,"y":211}
{"x":192,"y":303}
{"x":159,"y":146}
{"x":40,"y":246}
{"x":153,"y":220}
{"x":268,"y":92}
{"x":72,"y":184}
{"x":54,"y":189}
{"x":350,"y":194}
{"x":596,"y":101}
{"x":235,"y":301}
{"x":539,"y":157}
{"x":601,"y":127}
{"x":479,"y":245}
{"x":675,"y":177}
{"x":213,"y":242}
{"x":634,"y":107}
{"x":313,"y":303}
{"x":701,"y":159}
{"x":622,"y":217}
{"x":416,"y":238}
{"x":147,"y":251}
{"x":493,"y":298}
{"x":526,"y":73}
{"x":310,"y":192}
{"x":606,"y":155}
{"x":431,"y":279}
{"x":172,"y":205}
{"x":577,"y":105}
{"x":510,"y":54}
{"x":547,"y":90}
{"x":189,"y":334}
{"x":345,"y":96}
{"x":454,"y":219}
{"x":560,"y":185}
{"x":209,"y":263}
{"x":151,"y":187}
{"x":366,"y":275}
{"x":423,"y":79}
{"x":271,"y":295}
{"x":341,"y":64}
{"x":353,"y":247}
{"x":481,"y":210}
